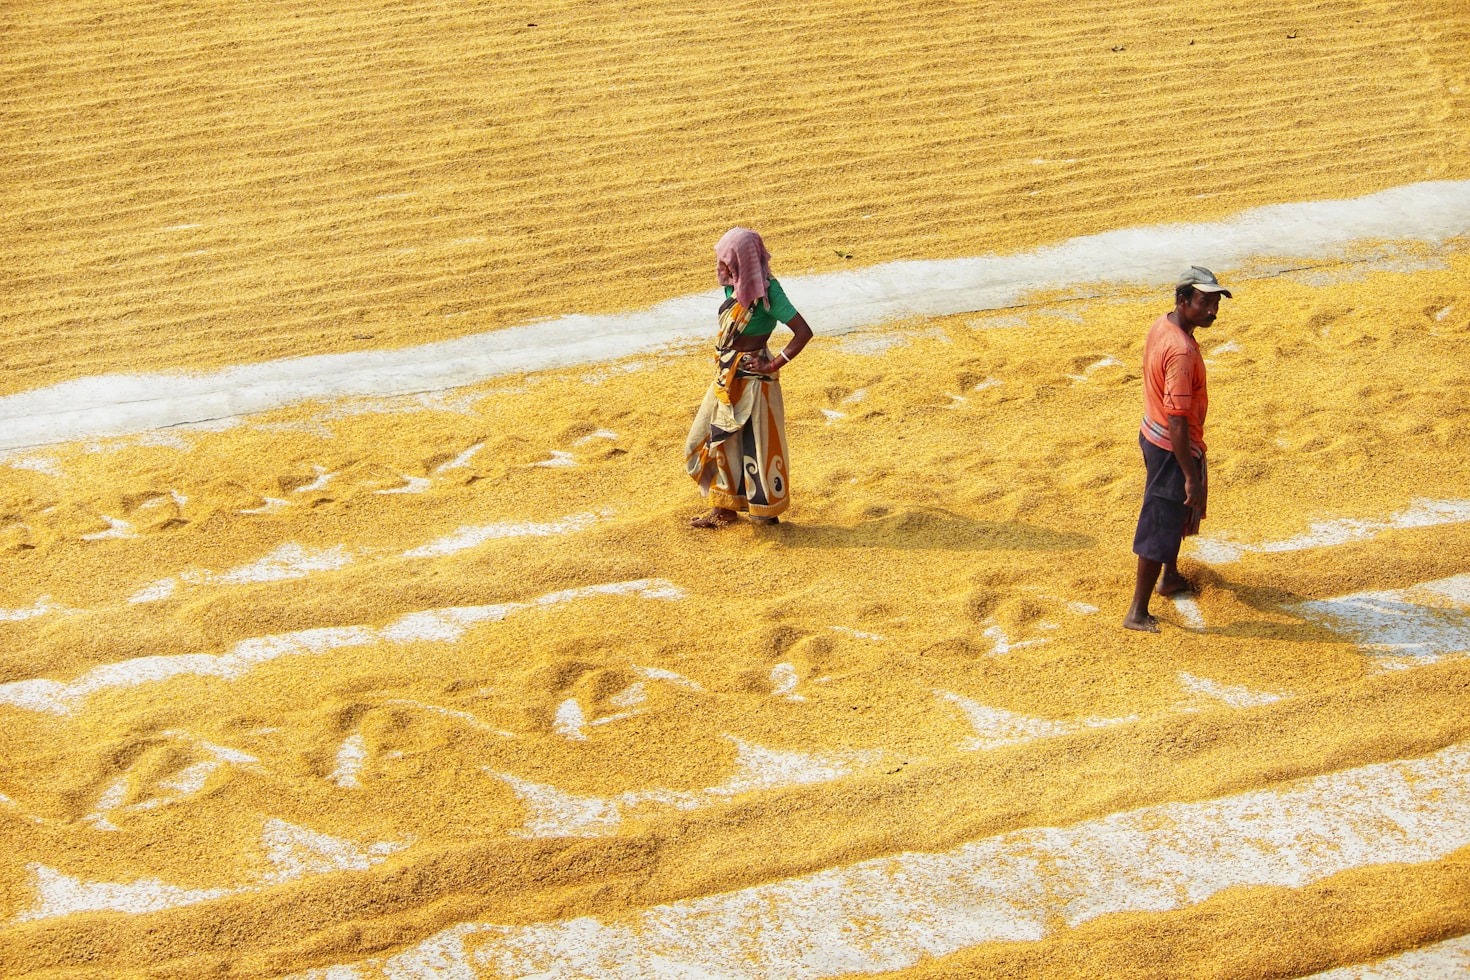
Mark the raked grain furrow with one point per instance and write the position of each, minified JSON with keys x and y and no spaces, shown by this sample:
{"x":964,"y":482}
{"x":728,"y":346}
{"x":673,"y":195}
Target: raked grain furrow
{"x":190,"y":186}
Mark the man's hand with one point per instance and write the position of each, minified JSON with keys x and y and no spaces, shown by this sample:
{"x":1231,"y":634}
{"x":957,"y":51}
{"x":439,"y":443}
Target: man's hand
{"x":1196,"y":495}
{"x":1196,"y":485}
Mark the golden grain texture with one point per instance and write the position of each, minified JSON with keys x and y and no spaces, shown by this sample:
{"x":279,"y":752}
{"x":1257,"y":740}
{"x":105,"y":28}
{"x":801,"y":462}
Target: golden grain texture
{"x":959,"y":483}
{"x":187,"y":186}
{"x":193,"y":184}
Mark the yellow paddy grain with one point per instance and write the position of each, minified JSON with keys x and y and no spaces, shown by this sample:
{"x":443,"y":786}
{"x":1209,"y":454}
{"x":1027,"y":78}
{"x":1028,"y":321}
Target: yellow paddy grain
{"x":188,"y":186}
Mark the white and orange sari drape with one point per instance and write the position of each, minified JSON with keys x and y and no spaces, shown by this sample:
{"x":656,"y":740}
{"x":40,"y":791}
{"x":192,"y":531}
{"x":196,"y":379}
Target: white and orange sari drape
{"x":736,"y":449}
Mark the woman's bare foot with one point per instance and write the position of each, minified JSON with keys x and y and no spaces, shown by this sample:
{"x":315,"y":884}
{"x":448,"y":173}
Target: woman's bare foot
{"x":717,"y":517}
{"x":1148,"y":624}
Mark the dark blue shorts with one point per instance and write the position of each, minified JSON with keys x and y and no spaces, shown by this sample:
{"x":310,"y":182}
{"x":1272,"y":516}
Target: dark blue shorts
{"x":1161,"y":518}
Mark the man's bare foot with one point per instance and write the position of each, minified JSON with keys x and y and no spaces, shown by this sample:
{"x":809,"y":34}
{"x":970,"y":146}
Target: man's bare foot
{"x":1148,"y":624}
{"x":1173,"y":585}
{"x":717,"y":517}
{"x":765,"y":520}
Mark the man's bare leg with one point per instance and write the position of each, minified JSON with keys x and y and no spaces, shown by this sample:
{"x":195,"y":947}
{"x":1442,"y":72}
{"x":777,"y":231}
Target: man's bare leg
{"x":1172,"y":583}
{"x":1143,"y":586}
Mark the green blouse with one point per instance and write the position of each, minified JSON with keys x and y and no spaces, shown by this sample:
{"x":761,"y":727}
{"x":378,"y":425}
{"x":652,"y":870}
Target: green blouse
{"x":762,"y":320}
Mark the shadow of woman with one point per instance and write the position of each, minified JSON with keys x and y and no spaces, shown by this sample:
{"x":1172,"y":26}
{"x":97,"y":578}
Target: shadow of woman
{"x":932,"y":528}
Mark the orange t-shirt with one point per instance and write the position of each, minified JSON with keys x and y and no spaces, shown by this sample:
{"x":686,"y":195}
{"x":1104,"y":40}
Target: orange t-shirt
{"x":1173,"y":384}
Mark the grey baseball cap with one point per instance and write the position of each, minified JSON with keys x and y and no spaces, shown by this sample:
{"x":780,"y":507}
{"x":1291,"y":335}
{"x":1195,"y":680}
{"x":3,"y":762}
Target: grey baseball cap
{"x":1202,"y":279}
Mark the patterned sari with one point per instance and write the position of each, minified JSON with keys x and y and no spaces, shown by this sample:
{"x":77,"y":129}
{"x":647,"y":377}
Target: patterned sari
{"x":736,"y":450}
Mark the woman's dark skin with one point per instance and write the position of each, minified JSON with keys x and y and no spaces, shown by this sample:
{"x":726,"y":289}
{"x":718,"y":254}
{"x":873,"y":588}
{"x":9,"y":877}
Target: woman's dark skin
{"x":803,"y":333}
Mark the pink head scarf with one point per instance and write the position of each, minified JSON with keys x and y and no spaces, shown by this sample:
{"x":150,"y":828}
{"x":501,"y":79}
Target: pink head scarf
{"x":743,"y":262}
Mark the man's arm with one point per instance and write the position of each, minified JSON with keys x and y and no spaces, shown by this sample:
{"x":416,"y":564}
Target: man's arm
{"x":1195,"y":492}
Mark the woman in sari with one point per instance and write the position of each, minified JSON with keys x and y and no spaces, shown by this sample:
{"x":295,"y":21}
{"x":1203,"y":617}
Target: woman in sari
{"x":736,"y":449}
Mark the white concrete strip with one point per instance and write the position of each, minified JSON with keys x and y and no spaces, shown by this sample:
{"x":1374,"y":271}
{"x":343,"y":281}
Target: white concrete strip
{"x":58,"y":697}
{"x":859,"y":634}
{"x":41,"y":607}
{"x":1233,"y":695}
{"x":1325,"y":534}
{"x":1003,"y":644}
{"x":473,"y":536}
{"x":758,"y":769}
{"x":1442,"y":961}
{"x":1421,"y":622}
{"x":14,"y":807}
{"x":112,"y":798}
{"x":1189,"y":611}
{"x":877,"y":344}
{"x":185,"y":782}
{"x":117,"y":529}
{"x":271,"y":506}
{"x":295,"y":852}
{"x":412,"y":484}
{"x":292,"y":852}
{"x":673,"y":677}
{"x":784,"y":681}
{"x":570,"y":722}
{"x":835,"y":302}
{"x":631,"y":696}
{"x":996,"y":727}
{"x":887,"y":913}
{"x":351,"y":754}
{"x":462,"y":460}
{"x":1093,"y":368}
{"x":58,"y":894}
{"x":554,"y":812}
{"x":288,"y":562}
{"x":179,"y":786}
{"x":606,"y":434}
{"x":320,"y":483}
{"x":38,"y":464}
{"x":560,"y":459}
{"x":292,"y":561}
{"x":430,"y":626}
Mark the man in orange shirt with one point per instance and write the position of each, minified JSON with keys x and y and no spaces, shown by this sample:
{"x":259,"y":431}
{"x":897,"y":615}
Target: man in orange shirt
{"x":1172,"y":436}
